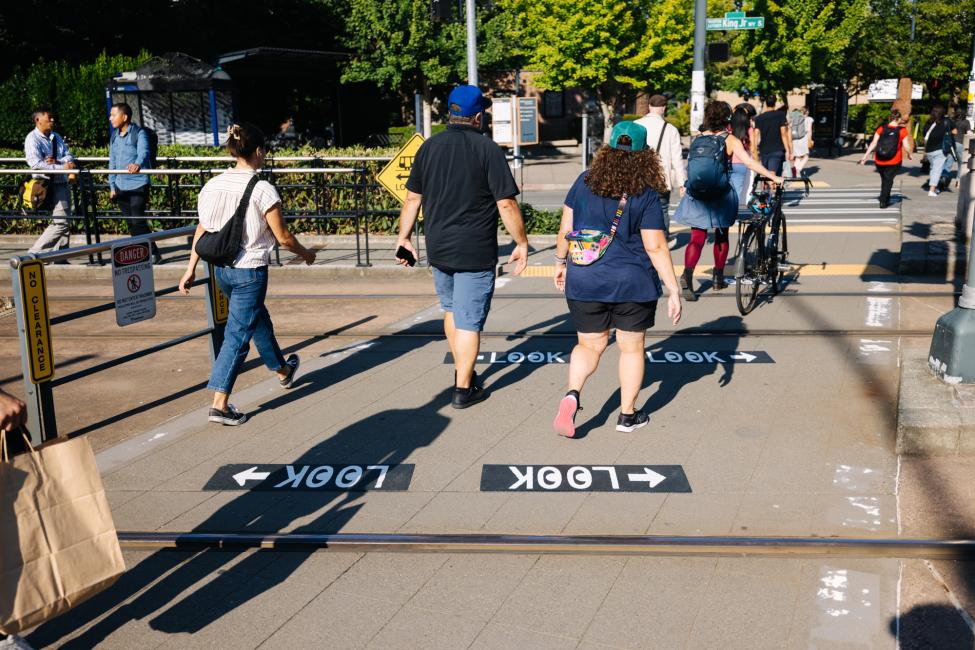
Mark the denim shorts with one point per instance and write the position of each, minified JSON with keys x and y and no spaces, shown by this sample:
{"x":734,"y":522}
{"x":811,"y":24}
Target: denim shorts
{"x":467,"y":294}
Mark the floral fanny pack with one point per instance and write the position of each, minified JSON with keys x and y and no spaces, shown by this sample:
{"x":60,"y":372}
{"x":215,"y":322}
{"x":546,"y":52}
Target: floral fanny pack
{"x":588,"y":245}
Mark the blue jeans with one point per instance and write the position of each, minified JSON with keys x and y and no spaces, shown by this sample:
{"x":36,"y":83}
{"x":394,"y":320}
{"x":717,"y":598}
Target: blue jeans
{"x":938,"y":160}
{"x":467,"y":294}
{"x":247,"y":319}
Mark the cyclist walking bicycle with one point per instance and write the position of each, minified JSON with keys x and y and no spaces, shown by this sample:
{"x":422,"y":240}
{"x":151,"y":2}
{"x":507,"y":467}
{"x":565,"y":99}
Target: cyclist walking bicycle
{"x":711,"y":201}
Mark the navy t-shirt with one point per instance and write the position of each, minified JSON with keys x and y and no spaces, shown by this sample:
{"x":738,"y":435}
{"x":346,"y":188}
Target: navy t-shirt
{"x":624,"y":272}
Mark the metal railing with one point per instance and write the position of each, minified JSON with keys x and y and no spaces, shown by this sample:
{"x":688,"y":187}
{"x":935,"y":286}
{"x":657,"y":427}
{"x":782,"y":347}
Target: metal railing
{"x":34,"y":325}
{"x":180,"y":198}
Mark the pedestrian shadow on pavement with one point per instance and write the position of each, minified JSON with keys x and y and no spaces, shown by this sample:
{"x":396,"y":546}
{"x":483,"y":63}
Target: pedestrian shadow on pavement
{"x":184,"y":594}
{"x":927,"y":627}
{"x":671,"y":378}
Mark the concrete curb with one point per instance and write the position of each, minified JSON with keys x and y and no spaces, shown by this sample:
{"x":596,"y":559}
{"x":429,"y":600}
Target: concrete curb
{"x":933,"y":418}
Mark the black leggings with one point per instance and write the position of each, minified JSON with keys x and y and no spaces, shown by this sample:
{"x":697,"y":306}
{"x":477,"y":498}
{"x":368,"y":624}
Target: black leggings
{"x":132,"y":203}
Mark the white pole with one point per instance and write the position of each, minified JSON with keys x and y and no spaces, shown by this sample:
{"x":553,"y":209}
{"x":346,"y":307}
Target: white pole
{"x":516,"y":122}
{"x":471,"y":45}
{"x":697,"y":73}
{"x":585,"y":141}
{"x":971,"y":91}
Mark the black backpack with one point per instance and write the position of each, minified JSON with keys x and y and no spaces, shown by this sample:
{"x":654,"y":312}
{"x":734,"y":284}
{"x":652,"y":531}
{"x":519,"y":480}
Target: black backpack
{"x":153,"y":138}
{"x":221,"y":248}
{"x":708,"y":168}
{"x":888,"y":143}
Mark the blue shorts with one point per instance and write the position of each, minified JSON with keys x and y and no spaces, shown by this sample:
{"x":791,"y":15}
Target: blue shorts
{"x":467,"y":294}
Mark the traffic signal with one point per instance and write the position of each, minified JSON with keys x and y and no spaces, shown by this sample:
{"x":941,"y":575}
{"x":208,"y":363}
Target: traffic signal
{"x":718,"y":52}
{"x":441,"y":10}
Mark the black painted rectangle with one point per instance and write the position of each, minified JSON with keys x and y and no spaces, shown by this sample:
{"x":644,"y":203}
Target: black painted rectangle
{"x":746,"y":357}
{"x":312,"y":478}
{"x":584,"y":478}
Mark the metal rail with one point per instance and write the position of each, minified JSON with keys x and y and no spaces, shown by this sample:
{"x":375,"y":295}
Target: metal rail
{"x":712,"y":546}
{"x":34,"y":323}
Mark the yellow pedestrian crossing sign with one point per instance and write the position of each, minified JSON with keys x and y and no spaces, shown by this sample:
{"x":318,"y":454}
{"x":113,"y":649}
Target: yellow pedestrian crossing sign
{"x":393,"y":176}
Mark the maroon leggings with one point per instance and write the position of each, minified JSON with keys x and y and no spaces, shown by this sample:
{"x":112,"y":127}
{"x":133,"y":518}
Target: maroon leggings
{"x":699,"y":237}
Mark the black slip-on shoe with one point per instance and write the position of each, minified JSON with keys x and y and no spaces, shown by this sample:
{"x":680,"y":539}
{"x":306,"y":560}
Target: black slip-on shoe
{"x":291,"y":363}
{"x":230,"y":418}
{"x":631,"y":421}
{"x":464,"y":397}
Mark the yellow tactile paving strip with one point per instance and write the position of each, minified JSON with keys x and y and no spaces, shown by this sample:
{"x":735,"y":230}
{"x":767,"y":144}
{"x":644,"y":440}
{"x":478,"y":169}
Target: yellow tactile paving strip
{"x":809,"y":270}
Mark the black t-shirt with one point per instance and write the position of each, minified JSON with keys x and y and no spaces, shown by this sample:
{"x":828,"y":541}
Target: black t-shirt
{"x":768,"y":124}
{"x":934,"y":134}
{"x":963,"y":127}
{"x":461,"y":175}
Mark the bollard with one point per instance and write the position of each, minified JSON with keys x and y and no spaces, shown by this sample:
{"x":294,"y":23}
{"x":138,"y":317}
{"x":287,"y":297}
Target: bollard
{"x":952,"y":354}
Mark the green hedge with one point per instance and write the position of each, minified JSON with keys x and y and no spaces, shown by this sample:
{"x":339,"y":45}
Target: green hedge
{"x":334,"y":198}
{"x":865,"y":118}
{"x":75,"y":92}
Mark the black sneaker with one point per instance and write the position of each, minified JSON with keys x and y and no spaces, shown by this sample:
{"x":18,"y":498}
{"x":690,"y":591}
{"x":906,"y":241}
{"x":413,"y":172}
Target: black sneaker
{"x":631,"y":421}
{"x":464,"y":397}
{"x":291,"y":364}
{"x":231,"y":417}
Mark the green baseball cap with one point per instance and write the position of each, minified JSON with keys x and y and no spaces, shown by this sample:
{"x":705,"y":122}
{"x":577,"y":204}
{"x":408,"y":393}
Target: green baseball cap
{"x":635,"y":132}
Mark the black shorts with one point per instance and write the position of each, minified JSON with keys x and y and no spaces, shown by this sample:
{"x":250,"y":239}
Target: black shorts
{"x":592,"y":317}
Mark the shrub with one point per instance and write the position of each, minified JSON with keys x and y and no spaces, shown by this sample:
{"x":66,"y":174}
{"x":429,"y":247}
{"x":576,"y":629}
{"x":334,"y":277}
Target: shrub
{"x":75,"y":92}
{"x":680,"y":116}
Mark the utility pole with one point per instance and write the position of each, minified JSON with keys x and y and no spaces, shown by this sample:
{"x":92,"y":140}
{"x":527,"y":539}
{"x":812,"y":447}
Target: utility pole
{"x":471,"y":45}
{"x":697,"y":73}
{"x":971,"y":89}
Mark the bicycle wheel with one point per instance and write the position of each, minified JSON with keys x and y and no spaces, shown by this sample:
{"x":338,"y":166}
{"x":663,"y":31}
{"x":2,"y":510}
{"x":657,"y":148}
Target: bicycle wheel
{"x":777,"y":257}
{"x":747,"y":274}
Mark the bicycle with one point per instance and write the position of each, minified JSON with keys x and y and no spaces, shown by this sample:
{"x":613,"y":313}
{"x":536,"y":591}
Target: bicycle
{"x":759,"y":259}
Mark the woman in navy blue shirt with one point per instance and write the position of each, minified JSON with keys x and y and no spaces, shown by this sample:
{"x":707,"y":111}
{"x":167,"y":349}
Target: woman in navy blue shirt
{"x":619,"y":290}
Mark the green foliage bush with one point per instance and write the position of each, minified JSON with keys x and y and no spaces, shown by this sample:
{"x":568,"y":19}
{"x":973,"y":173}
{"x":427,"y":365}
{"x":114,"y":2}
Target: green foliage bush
{"x":75,"y":92}
{"x":339,"y":194}
{"x":680,"y":116}
{"x":865,"y":118}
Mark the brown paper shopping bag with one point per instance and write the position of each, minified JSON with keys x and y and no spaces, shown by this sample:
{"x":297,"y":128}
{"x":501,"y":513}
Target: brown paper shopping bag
{"x":58,"y":544}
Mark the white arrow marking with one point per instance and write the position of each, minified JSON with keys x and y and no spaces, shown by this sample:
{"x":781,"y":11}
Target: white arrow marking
{"x":649,"y":476}
{"x":250,"y":475}
{"x":744,"y":356}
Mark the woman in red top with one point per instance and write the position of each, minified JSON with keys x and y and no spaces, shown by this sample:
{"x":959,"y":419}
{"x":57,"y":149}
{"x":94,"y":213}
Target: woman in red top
{"x":889,"y":166}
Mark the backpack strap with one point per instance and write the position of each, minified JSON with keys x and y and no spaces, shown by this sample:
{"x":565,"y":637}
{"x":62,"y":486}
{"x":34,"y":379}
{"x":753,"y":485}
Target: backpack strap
{"x":660,"y":140}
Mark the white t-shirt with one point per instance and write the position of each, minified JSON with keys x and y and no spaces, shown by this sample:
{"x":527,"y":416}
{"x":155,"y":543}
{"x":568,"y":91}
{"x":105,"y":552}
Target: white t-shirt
{"x":218,"y":201}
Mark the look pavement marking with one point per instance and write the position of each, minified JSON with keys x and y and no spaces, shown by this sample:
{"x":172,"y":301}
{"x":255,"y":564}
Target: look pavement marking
{"x":393,"y":176}
{"x":311,"y":478}
{"x":655,"y":356}
{"x":584,"y":478}
{"x":811,"y":270}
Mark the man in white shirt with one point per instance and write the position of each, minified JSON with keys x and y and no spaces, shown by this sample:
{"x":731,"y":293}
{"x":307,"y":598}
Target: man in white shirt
{"x":664,"y":138}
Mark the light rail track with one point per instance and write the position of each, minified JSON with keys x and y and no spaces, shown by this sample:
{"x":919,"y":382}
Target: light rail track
{"x":660,"y":545}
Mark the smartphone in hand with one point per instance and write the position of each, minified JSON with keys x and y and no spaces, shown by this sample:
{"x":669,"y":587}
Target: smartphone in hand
{"x":405,"y":254}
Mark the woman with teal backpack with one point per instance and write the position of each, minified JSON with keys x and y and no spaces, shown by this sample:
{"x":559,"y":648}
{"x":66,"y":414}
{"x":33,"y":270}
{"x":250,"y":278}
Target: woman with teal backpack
{"x":611,"y":256}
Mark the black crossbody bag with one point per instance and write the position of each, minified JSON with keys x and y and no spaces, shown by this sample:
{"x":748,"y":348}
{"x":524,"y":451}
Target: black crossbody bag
{"x":220,"y":248}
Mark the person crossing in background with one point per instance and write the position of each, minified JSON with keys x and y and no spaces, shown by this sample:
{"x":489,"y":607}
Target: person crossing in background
{"x":619,"y":194}
{"x":711,"y":201}
{"x":664,"y":138}
{"x":462,"y":181}
{"x":45,"y":149}
{"x":800,"y":133}
{"x":245,"y":282}
{"x":890,"y":142}
{"x":774,"y":136}
{"x":129,"y":149}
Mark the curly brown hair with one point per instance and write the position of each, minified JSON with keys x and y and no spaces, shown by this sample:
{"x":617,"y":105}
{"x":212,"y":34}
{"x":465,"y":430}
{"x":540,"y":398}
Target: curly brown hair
{"x":615,"y":171}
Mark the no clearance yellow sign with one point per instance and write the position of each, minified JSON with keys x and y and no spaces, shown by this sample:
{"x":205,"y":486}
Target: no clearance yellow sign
{"x":393,"y":176}
{"x":37,"y":323}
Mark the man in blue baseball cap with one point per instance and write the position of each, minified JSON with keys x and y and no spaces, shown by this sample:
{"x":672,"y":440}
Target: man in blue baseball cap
{"x":464,"y":184}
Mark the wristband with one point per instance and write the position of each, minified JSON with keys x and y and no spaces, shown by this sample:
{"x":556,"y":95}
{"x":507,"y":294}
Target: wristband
{"x":560,"y":260}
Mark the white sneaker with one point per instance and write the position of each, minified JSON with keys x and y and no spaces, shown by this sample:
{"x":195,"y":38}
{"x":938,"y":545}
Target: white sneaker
{"x":672,"y":243}
{"x":14,"y":642}
{"x":933,"y":193}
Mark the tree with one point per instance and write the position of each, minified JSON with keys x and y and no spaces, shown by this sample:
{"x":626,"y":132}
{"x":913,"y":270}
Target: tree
{"x":803,"y":42}
{"x":595,"y":44}
{"x":397,"y":45}
{"x":940,"y":56}
{"x":667,"y":50}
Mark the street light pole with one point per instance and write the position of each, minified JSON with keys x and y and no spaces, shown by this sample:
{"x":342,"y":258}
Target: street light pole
{"x":951,"y":356}
{"x":471,"y":45}
{"x":971,"y":89}
{"x":697,"y":73}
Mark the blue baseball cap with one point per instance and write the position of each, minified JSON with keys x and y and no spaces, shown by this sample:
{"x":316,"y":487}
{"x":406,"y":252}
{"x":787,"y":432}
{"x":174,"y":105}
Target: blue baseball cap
{"x":466,"y":101}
